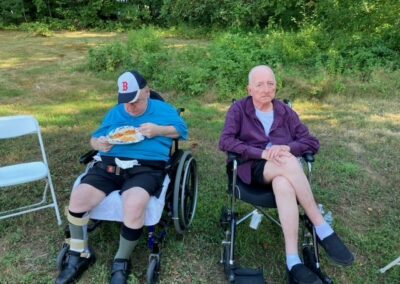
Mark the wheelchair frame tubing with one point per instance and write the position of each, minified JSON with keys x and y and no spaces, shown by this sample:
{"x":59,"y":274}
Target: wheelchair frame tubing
{"x":316,"y":247}
{"x":311,"y":229}
{"x":232,"y":240}
{"x":233,"y":216}
{"x":154,"y":240}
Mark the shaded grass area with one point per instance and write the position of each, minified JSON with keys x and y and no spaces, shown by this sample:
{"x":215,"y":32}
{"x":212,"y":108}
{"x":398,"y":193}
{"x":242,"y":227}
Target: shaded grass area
{"x":356,"y":173}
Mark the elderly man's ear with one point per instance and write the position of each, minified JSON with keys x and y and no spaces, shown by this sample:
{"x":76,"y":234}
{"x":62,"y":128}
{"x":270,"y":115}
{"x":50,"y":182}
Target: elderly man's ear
{"x":146,"y":92}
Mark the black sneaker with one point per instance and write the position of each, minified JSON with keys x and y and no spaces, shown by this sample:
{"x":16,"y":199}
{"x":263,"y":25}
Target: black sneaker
{"x":121,"y":269}
{"x":337,"y":250}
{"x":76,"y":264}
{"x":301,"y":274}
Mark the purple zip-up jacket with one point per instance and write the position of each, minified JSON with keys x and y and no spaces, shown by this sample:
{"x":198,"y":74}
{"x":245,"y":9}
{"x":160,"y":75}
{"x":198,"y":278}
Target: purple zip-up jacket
{"x":244,"y":134}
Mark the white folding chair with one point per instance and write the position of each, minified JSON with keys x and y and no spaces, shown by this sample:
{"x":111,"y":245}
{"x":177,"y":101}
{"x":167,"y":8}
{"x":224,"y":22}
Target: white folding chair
{"x":26,"y":172}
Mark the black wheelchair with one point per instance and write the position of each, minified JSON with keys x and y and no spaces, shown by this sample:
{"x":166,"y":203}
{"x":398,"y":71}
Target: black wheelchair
{"x":177,"y":204}
{"x":262,"y":199}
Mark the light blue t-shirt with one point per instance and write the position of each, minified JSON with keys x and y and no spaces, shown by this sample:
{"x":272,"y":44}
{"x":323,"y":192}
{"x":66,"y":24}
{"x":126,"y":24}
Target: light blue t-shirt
{"x":156,"y":148}
{"x":266,"y":118}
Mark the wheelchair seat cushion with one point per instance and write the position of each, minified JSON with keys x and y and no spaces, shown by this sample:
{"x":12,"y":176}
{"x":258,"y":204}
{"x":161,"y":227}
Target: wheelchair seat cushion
{"x":258,"y":195}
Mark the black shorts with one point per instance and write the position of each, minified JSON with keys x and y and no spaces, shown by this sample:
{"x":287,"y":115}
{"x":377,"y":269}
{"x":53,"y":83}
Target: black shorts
{"x":257,"y":172}
{"x":148,"y":178}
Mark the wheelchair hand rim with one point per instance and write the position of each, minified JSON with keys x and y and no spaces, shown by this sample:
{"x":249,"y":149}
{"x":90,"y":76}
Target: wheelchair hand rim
{"x":186,"y":163}
{"x":190,"y":177}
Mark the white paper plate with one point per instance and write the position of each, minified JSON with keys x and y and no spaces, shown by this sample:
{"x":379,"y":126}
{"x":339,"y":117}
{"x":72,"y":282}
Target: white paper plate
{"x":125,"y":135}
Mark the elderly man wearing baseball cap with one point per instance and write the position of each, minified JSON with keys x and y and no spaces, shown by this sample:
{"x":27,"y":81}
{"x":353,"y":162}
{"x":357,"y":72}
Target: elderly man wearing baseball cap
{"x":154,"y":124}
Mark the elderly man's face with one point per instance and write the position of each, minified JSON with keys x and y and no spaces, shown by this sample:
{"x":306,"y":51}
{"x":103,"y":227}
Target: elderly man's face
{"x":262,"y":87}
{"x":140,"y":105}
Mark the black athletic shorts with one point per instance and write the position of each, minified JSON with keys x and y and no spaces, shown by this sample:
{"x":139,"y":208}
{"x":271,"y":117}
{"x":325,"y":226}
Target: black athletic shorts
{"x":257,"y":172}
{"x":148,"y":178}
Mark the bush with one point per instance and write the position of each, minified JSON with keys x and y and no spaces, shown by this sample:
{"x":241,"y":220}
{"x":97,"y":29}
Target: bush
{"x":184,"y":71}
{"x":145,"y":40}
{"x":142,"y":51}
{"x":222,"y":65}
{"x":37,"y":28}
{"x":112,"y":57}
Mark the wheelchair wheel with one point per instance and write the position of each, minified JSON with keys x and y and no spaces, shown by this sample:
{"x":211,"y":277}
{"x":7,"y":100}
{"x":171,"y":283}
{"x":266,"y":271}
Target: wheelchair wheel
{"x":61,"y":257}
{"x":185,"y":192}
{"x":153,"y":270}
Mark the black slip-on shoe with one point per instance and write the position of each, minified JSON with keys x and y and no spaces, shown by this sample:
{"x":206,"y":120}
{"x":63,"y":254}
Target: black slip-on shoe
{"x":336,"y":250}
{"x":120,"y":271}
{"x":75,"y":264}
{"x":301,"y":274}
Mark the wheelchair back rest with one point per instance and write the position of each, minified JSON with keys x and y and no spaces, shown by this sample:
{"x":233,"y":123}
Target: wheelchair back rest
{"x":156,"y":96}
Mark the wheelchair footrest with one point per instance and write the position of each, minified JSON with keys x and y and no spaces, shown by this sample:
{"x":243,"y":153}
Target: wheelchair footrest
{"x":248,"y":275}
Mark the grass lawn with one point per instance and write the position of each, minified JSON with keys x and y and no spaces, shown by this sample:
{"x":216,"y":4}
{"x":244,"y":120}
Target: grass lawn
{"x":356,"y":173}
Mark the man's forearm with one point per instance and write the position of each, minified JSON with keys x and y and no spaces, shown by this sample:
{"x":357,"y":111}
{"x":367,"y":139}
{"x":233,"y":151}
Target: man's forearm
{"x":169,"y":131}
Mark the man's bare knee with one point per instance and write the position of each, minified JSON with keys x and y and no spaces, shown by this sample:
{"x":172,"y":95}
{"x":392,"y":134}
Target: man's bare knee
{"x":84,"y":198}
{"x":135,"y":207}
{"x":135,"y":203}
{"x":134,"y":214}
{"x":281,"y":186}
{"x":295,"y":164}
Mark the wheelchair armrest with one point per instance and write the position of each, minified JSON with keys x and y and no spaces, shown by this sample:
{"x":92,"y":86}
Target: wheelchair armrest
{"x":232,"y":156}
{"x":87,"y":157}
{"x":308,"y":157}
{"x":233,"y":161}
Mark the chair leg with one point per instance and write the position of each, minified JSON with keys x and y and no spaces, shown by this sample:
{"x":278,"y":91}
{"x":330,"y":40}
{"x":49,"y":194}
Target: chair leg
{"x":390,"y":265}
{"x":55,"y":204}
{"x":43,"y":204}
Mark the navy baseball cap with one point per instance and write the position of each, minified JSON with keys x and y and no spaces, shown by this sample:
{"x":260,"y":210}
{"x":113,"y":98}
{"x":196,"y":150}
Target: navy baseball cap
{"x":129,"y":85}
